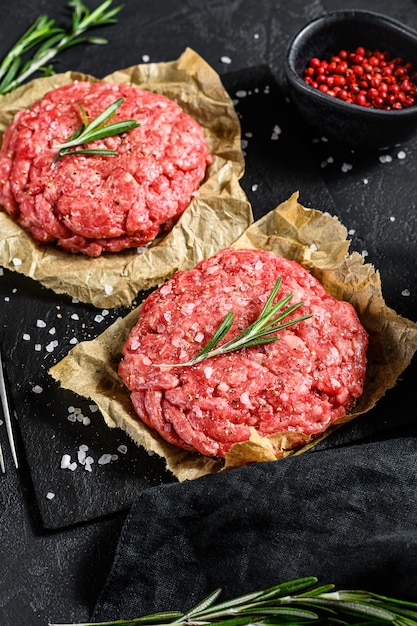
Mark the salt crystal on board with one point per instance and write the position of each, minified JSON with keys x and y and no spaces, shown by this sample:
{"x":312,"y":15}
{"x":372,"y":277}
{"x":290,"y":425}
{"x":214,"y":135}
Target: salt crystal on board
{"x":104,"y":459}
{"x":65,"y":461}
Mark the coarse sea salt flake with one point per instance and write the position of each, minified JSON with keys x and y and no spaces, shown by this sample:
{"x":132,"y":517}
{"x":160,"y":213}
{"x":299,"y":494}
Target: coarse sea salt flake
{"x":65,"y":461}
{"x":122,"y":449}
{"x":108,"y":289}
{"x":52,"y":330}
{"x":276,"y":132}
{"x":37,"y":389}
{"x":165,"y":289}
{"x":208,"y":372}
{"x":392,"y":218}
{"x":146,"y":58}
{"x":73,"y":341}
{"x":75,"y":316}
{"x":81,"y":456}
{"x":40,"y":324}
{"x":241,"y":93}
{"x":401,"y":154}
{"x":199,"y":337}
{"x":405,"y":292}
{"x":93,"y":408}
{"x":225,"y":59}
{"x":86,"y":421}
{"x":385,"y":158}
{"x":254,"y":187}
{"x":104,"y":459}
{"x":50,"y":495}
{"x":72,"y":466}
{"x":16,"y":261}
{"x":38,"y":347}
{"x":188,"y":308}
{"x":51,"y":346}
{"x":98,"y":318}
{"x":244,"y":398}
{"x":26,"y":336}
{"x":71,"y":417}
{"x":346,"y":167}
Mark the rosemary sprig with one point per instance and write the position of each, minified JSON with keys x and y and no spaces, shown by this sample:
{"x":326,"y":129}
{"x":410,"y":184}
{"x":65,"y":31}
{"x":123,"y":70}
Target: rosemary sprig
{"x":298,"y":602}
{"x":262,"y":330}
{"x":45,"y":41}
{"x":98,"y":128}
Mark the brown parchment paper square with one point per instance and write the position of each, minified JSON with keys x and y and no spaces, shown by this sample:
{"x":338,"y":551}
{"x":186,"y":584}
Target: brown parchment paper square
{"x":214,"y":219}
{"x":319,"y":243}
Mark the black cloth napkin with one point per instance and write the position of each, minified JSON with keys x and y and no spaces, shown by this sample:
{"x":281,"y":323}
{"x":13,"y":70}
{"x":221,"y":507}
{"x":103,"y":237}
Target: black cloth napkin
{"x":347,"y":516}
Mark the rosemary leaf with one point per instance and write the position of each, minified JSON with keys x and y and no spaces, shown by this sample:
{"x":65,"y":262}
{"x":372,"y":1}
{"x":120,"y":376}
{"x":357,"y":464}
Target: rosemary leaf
{"x":263,"y":330}
{"x":44,"y":41}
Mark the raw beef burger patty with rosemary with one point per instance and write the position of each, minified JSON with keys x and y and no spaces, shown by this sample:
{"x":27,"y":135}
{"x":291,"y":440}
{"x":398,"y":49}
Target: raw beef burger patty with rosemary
{"x":301,"y":382}
{"x":95,"y":203}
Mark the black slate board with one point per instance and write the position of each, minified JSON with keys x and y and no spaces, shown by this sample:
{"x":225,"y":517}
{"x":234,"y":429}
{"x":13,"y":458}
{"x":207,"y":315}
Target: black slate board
{"x":276,"y":167}
{"x":278,"y":162}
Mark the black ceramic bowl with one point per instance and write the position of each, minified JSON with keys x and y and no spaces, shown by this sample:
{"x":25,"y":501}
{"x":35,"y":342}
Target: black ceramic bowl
{"x":351,"y":124}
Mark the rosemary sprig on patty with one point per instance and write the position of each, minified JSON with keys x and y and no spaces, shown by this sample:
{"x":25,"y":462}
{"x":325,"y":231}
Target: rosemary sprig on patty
{"x":262,"y":330}
{"x":98,"y":128}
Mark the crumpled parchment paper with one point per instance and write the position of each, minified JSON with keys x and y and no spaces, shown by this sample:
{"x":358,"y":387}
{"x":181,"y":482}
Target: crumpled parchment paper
{"x":319,"y":243}
{"x":213,"y":220}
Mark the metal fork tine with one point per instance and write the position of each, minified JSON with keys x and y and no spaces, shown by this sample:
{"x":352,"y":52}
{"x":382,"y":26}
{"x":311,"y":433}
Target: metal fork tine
{"x":7,"y":418}
{"x":2,"y":466}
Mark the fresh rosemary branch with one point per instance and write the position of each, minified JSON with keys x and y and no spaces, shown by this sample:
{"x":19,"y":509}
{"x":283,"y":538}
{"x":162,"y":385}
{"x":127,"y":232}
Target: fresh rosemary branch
{"x":98,"y":128}
{"x":297,"y":602}
{"x":45,"y":40}
{"x":262,"y":330}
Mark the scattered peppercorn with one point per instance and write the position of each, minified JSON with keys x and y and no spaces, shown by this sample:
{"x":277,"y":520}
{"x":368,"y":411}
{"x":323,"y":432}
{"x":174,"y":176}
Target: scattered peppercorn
{"x":369,"y":78}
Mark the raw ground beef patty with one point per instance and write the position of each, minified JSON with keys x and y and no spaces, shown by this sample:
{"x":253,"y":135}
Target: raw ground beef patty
{"x":302,"y":382}
{"x":93,"y":203}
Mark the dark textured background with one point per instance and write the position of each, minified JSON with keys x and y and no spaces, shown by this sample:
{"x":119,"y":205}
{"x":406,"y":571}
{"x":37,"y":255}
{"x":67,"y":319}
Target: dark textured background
{"x":55,"y":554}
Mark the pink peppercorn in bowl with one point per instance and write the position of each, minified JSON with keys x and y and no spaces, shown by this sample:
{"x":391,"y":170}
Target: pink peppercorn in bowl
{"x":372,"y":107}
